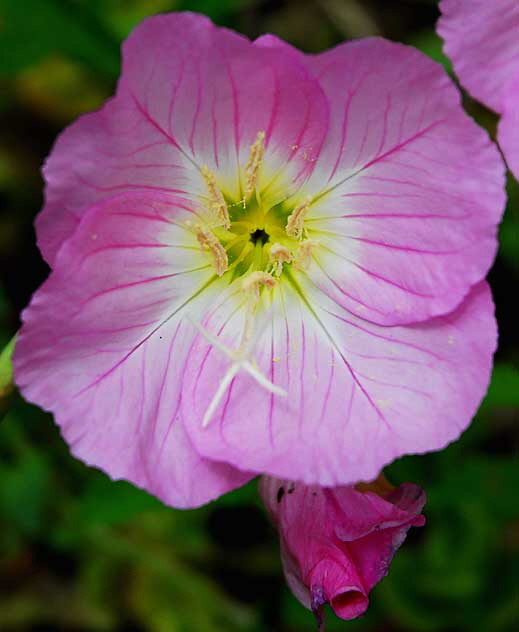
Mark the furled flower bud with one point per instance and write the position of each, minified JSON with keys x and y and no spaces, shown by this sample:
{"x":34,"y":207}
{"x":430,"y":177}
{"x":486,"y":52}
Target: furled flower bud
{"x":337,"y":543}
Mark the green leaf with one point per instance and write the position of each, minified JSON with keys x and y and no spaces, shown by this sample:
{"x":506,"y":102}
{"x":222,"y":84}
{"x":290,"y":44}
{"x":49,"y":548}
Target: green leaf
{"x":6,"y":375}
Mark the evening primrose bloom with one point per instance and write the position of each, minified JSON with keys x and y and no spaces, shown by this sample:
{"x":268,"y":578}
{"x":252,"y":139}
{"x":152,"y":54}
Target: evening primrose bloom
{"x":337,"y":543}
{"x":263,"y":262}
{"x":482,"y":40}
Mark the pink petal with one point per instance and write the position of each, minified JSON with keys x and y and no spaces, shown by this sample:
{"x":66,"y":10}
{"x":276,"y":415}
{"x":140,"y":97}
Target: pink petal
{"x":190,"y":95}
{"x":103,"y":346}
{"x":482,"y":40}
{"x":338,"y":543}
{"x":508,"y":131}
{"x":408,"y":190}
{"x":358,"y":395}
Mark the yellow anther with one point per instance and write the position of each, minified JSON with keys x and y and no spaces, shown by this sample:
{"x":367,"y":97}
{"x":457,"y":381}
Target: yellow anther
{"x":279,"y":255}
{"x":217,"y":203}
{"x":253,"y":281}
{"x":208,"y":241}
{"x":254,"y":163}
{"x":303,"y":257}
{"x":295,"y":220}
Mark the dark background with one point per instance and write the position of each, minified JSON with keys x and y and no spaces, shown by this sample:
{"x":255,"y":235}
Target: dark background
{"x":80,"y":553}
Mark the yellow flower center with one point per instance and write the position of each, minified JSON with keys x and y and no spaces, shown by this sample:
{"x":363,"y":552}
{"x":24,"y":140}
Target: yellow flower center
{"x":249,"y":235}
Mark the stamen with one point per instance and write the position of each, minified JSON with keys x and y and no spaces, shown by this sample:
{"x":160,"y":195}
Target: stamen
{"x":295,"y":220}
{"x":303,"y":257}
{"x":279,"y":255}
{"x":207,"y":240}
{"x":251,"y":285}
{"x":217,"y":203}
{"x":254,"y":163}
{"x":253,"y":282}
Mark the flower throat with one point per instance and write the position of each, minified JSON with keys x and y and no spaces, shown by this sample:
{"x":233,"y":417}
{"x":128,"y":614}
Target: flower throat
{"x":245,"y":236}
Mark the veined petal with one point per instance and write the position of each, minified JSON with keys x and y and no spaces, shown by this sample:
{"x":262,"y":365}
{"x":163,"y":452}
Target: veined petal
{"x":101,"y":155}
{"x":482,"y":40}
{"x":358,"y":395}
{"x":105,"y":342}
{"x":241,"y":90}
{"x":191,"y":95}
{"x":407,"y":190}
{"x":508,"y":130}
{"x":414,"y":188}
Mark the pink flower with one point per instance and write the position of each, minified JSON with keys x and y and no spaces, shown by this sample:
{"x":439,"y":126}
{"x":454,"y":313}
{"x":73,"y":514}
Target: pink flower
{"x":482,"y":39}
{"x":337,"y":543}
{"x":263,"y":262}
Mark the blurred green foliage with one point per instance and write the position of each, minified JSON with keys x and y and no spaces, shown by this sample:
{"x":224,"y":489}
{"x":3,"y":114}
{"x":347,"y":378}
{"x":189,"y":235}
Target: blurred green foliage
{"x":80,"y":552}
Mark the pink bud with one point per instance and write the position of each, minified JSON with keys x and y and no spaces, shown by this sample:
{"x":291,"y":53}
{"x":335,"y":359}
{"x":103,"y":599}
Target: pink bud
{"x":337,"y":543}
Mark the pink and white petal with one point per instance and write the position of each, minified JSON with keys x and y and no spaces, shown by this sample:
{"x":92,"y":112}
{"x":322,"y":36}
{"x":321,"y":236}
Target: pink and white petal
{"x":358,"y":395}
{"x":190,"y":95}
{"x":409,"y":185}
{"x":482,"y":40}
{"x":240,"y":90}
{"x":407,"y":189}
{"x":508,"y":130}
{"x":104,"y":344}
{"x":101,"y":155}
